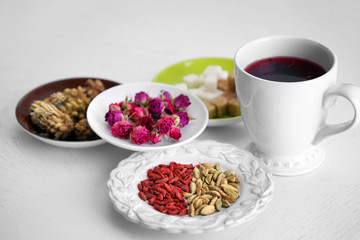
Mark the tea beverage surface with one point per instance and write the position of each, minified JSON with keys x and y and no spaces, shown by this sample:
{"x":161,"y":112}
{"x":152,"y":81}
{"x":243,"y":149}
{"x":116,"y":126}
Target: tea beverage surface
{"x":285,"y":69}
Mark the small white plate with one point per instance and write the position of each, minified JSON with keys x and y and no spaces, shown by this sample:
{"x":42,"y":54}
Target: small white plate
{"x":100,"y":105}
{"x":256,"y":187}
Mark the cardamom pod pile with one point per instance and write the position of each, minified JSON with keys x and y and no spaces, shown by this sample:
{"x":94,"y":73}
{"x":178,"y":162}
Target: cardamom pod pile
{"x":211,"y":189}
{"x":62,"y":115}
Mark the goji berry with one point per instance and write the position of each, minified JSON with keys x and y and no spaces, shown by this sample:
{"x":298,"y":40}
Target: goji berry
{"x":165,"y":186}
{"x":170,"y":206}
{"x":165,"y":179}
{"x":165,"y":170}
{"x":152,"y":200}
{"x":181,"y":205}
{"x":185,"y":188}
{"x":173,"y":180}
{"x":154,"y":176}
{"x":177,"y":183}
{"x":162,"y":191}
{"x":160,"y":197}
{"x":148,"y":195}
{"x":147,"y":182}
{"x":179,"y":195}
{"x":142,"y":196}
{"x":173,"y":212}
{"x":172,"y":166}
{"x":160,"y":173}
{"x":183,"y":212}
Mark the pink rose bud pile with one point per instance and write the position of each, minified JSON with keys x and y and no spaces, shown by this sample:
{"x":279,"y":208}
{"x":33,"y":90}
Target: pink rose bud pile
{"x":148,"y":120}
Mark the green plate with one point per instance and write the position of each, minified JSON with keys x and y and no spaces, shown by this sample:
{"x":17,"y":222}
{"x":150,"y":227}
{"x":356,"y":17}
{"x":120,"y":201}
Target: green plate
{"x":175,"y":73}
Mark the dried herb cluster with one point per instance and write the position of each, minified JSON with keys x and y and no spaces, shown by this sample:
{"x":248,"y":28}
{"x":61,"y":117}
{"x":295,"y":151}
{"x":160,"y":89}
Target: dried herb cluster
{"x":62,"y":115}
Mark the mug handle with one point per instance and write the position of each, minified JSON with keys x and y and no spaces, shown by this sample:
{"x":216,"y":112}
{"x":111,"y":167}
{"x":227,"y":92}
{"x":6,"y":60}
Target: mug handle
{"x":352,"y":94}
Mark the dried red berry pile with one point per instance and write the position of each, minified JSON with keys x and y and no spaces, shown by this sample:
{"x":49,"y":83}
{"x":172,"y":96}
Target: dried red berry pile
{"x":165,"y":186}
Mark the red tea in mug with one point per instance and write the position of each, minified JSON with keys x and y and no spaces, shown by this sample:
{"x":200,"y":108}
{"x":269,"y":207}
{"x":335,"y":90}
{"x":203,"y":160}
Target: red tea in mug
{"x":285,"y":69}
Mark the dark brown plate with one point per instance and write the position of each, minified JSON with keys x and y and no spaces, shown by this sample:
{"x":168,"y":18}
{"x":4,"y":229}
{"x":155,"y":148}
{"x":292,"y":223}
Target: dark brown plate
{"x":23,"y":109}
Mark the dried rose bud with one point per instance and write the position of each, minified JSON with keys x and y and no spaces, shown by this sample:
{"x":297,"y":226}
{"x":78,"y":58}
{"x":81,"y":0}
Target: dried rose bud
{"x":113,"y":116}
{"x":114,"y":106}
{"x":169,"y":107}
{"x":184,"y":118}
{"x":155,"y":106}
{"x":140,"y":135}
{"x":122,"y":129}
{"x":181,"y":102}
{"x":136,"y":113}
{"x":175,"y":133}
{"x":177,"y":120}
{"x":165,"y":95}
{"x":155,"y":137}
{"x":165,"y":124}
{"x":147,"y":121}
{"x":141,"y":98}
{"x":127,"y":106}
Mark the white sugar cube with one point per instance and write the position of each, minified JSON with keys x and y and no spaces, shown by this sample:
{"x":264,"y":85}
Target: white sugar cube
{"x":208,"y":96}
{"x":223,"y":74}
{"x":192,"y":80}
{"x":197,"y":91}
{"x":202,"y":78}
{"x":182,"y":86}
{"x":205,"y":96}
{"x":213,"y":70}
{"x":210,"y":83}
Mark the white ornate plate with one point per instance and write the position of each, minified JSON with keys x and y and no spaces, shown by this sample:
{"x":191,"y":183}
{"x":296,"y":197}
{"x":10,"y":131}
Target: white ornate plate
{"x":100,"y":105}
{"x":256,"y":190}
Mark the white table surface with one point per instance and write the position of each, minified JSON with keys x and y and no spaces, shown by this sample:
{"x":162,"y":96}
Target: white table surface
{"x":48,"y":192}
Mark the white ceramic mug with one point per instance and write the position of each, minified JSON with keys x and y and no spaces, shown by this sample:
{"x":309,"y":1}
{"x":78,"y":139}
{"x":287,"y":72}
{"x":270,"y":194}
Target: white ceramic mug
{"x":286,"y":120}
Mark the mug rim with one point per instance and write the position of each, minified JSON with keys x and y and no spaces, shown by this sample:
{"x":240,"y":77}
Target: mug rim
{"x":291,"y":37}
